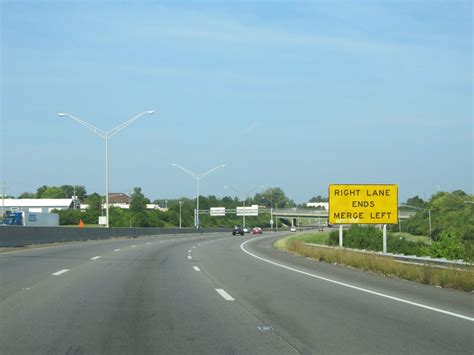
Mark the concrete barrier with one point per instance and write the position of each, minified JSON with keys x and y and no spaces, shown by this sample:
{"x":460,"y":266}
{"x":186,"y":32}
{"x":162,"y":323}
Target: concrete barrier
{"x":17,"y":236}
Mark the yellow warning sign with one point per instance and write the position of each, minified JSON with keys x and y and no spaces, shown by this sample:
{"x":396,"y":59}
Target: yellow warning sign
{"x":363,"y":204}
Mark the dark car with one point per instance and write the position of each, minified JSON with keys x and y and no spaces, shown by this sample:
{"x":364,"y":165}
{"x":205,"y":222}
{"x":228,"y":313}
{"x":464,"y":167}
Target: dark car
{"x":238,"y":230}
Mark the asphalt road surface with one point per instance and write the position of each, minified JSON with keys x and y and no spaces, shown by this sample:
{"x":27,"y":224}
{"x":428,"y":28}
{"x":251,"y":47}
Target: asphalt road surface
{"x":216,"y":294}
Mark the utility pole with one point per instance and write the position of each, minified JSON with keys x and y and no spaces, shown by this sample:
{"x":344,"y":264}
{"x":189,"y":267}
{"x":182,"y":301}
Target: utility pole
{"x":130,"y":206}
{"x":3,"y":198}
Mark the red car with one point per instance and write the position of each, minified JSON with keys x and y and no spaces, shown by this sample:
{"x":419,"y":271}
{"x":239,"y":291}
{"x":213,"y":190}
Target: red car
{"x":257,"y":230}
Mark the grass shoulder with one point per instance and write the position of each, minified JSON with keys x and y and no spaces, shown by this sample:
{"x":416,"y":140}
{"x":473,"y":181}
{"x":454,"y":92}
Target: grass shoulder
{"x":312,"y":237}
{"x":458,"y":279}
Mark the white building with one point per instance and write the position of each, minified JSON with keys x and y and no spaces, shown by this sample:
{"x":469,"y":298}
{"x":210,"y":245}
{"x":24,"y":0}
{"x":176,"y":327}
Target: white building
{"x":37,"y":205}
{"x":321,"y":205}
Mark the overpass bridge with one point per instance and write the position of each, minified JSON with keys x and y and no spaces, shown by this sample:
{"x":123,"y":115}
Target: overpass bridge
{"x":318,"y":217}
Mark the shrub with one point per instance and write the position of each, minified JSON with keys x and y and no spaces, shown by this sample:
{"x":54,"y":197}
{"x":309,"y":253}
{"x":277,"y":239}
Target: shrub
{"x":70,"y":217}
{"x":359,"y":237}
{"x":448,"y":246}
{"x":399,"y":245}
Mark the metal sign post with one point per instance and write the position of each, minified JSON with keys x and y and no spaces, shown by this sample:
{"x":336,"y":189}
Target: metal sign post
{"x":363,"y":204}
{"x":340,"y":236}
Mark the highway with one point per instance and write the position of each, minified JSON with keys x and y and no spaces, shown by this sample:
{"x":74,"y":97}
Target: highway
{"x":216,"y":294}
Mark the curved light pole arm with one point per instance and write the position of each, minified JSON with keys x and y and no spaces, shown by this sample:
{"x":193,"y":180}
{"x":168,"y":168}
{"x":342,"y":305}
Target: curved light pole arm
{"x":211,"y":170}
{"x":105,"y":135}
{"x":415,"y":208}
{"x":426,"y":210}
{"x":94,"y":129}
{"x":235,"y":190}
{"x":198,"y":178}
{"x":254,"y":189}
{"x":244,"y":199}
{"x":127,"y":123}
{"x":189,"y":172}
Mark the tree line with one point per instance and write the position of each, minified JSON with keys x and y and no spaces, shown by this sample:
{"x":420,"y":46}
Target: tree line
{"x":452,"y":213}
{"x":139,"y":216}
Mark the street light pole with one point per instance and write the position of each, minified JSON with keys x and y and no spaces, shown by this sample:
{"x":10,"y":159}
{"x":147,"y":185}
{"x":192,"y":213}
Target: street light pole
{"x":429,"y":219}
{"x":180,"y":203}
{"x":105,"y":135}
{"x":426,"y":210}
{"x":197,"y":204}
{"x":245,"y":198}
{"x":198,"y":178}
{"x":107,"y":179}
{"x":271,"y":207}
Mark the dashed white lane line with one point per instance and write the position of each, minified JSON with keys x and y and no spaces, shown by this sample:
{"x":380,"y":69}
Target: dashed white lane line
{"x":420,"y":305}
{"x":147,"y":243}
{"x":196,"y":268}
{"x":190,"y":257}
{"x":95,"y":258}
{"x":194,"y":247}
{"x":57,"y":273}
{"x":189,"y":251}
{"x":134,"y":246}
{"x":224,"y":294}
{"x":116,"y":249}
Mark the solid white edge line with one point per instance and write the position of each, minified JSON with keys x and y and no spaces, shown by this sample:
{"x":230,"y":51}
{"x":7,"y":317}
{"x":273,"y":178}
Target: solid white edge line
{"x":224,"y":294}
{"x":196,"y":268}
{"x":57,"y":273}
{"x":356,"y":287}
{"x":95,"y":258}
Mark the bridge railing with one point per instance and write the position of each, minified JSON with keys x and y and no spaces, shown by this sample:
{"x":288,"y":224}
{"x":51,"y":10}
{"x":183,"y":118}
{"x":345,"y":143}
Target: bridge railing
{"x":324,"y":213}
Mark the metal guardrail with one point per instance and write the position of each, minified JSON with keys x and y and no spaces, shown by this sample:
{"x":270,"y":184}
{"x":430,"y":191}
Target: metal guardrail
{"x":413,"y":259}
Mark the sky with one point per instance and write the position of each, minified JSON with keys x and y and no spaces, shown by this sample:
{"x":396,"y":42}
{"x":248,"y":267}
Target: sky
{"x":289,"y":94}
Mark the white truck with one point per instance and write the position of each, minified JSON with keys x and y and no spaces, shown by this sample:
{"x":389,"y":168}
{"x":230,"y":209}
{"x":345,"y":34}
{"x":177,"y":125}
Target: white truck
{"x":34,"y":219}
